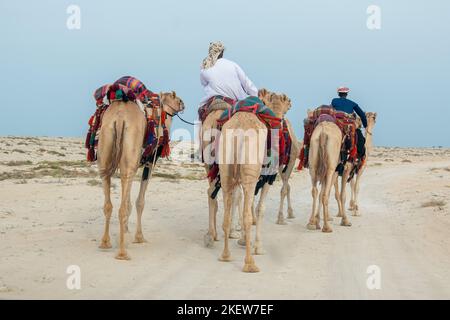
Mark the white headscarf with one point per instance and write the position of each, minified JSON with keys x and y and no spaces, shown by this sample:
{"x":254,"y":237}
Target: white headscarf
{"x":215,"y":49}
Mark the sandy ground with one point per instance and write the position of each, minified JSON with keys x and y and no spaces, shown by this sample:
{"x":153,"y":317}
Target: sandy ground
{"x":51,"y":217}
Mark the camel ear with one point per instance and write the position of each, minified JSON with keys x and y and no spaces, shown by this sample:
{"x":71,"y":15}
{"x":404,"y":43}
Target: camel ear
{"x":174,"y":94}
{"x":262,"y":93}
{"x":284,"y":97}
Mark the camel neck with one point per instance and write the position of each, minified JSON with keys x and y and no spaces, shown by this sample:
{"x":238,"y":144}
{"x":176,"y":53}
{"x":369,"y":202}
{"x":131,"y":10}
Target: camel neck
{"x":368,"y":144}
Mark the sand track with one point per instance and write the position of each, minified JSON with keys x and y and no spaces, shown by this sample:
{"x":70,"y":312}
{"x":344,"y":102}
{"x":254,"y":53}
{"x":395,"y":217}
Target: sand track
{"x":48,"y":224}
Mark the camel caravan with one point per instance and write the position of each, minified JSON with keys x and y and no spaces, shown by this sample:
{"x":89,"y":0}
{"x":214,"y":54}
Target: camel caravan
{"x":246,"y":141}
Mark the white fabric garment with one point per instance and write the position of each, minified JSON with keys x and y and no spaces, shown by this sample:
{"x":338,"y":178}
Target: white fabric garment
{"x":227,"y":79}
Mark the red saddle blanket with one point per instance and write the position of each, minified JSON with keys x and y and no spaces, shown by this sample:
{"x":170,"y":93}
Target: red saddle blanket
{"x":204,"y":110}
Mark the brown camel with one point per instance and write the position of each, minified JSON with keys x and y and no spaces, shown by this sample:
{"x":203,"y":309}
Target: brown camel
{"x":120,"y":146}
{"x":354,"y":182}
{"x":280,"y":105}
{"x":209,"y":135}
{"x":241,"y":154}
{"x":324,"y":153}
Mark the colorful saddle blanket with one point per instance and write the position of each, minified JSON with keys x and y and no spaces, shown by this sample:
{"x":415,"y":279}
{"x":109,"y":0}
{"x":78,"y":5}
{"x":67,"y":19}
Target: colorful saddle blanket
{"x":131,"y":89}
{"x":286,"y":148}
{"x":345,"y":122}
{"x":204,"y":110}
{"x":256,"y":106}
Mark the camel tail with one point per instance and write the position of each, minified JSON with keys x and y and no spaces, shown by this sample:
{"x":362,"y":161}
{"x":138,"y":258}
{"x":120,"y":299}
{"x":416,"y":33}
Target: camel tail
{"x":116,"y":151}
{"x":323,"y":157}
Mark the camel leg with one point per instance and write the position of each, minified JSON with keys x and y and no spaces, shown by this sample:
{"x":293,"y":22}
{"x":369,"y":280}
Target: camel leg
{"x":235,"y":213}
{"x":352,"y":194}
{"x":345,"y":175}
{"x":325,"y":196}
{"x":249,"y":189}
{"x":126,"y":180}
{"x":314,"y":224}
{"x":254,"y":218}
{"x":288,"y":174}
{"x":129,"y":208}
{"x":337,"y":195}
{"x":211,"y":236}
{"x":227,"y":200}
{"x":107,"y":210}
{"x":258,"y":248}
{"x":241,"y":240}
{"x":140,"y":202}
{"x":356,"y":192}
{"x":290,"y":209}
{"x":283,"y":194}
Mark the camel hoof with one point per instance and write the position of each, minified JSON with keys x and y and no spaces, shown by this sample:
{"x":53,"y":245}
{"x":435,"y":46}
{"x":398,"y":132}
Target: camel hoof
{"x":311,"y":226}
{"x":208,"y":240}
{"x":139,"y":239}
{"x":327,"y":230}
{"x":122,"y":256}
{"x":241,"y":242}
{"x":259,"y":251}
{"x":225,"y":257}
{"x":105,"y":245}
{"x":346,"y":223}
{"x":356,"y":214}
{"x":291,"y":214}
{"x":281,"y":221}
{"x":234,"y":235}
{"x":250,"y":268}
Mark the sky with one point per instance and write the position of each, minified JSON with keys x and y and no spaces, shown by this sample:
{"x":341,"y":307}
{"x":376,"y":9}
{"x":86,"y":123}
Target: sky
{"x":305,"y":49}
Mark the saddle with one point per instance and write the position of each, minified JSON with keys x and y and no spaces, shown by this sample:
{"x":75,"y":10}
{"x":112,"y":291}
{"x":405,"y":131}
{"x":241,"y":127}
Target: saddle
{"x":213,"y":104}
{"x":130,"y":89}
{"x":346,"y":123}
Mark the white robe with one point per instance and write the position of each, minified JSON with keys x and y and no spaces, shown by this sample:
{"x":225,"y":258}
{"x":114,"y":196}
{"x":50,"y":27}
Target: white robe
{"x":227,"y":79}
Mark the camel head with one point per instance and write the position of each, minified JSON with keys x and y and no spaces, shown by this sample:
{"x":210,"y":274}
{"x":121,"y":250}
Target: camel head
{"x":371,"y":119}
{"x":263,"y":95}
{"x":279,"y":103}
{"x":171,"y":103}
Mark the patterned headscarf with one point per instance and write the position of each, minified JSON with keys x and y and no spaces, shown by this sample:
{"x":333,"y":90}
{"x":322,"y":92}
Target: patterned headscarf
{"x":215,"y":49}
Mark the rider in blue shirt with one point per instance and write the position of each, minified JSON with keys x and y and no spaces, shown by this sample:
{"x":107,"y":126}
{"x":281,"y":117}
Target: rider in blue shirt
{"x":348,"y":106}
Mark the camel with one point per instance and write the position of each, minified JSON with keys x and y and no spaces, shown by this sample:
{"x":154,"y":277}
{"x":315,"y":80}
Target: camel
{"x":240,"y":164}
{"x":280,"y":105}
{"x":120,"y":146}
{"x":355,"y":180}
{"x":324,"y":154}
{"x":285,"y":174}
{"x":208,"y":137}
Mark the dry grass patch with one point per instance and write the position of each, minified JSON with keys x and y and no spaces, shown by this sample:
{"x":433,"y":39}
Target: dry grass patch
{"x":18,"y":163}
{"x":440,"y":169}
{"x":56,"y":153}
{"x":94,"y":183}
{"x":434,"y":203}
{"x":54,"y":169}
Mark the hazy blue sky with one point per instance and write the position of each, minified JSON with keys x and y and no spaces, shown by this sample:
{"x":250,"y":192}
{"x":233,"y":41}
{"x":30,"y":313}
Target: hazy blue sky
{"x":303,"y":48}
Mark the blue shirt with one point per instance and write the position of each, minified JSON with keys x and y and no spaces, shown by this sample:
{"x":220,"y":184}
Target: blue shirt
{"x":348,"y":106}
